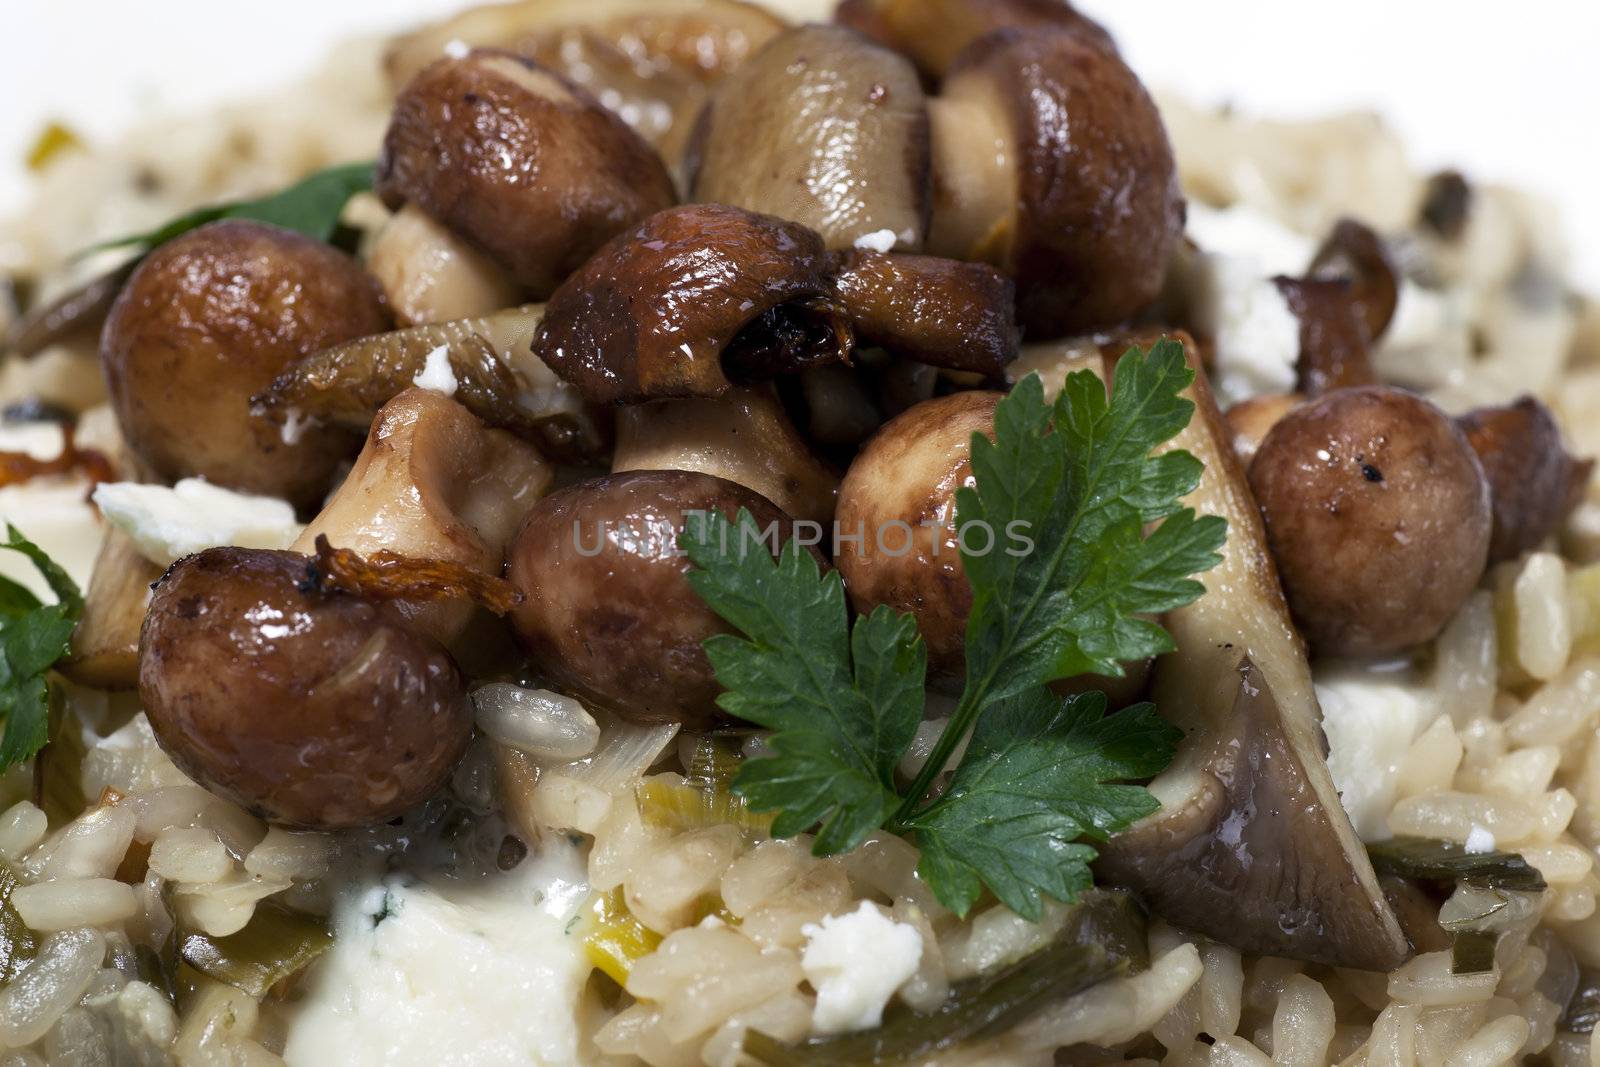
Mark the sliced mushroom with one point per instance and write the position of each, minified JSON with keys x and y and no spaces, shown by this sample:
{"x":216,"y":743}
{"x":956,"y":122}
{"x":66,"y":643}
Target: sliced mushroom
{"x":431,"y":275}
{"x":1355,"y":254}
{"x":1533,"y":480}
{"x":690,"y":299}
{"x":105,"y":645}
{"x":1051,"y":162}
{"x":940,"y":311}
{"x":826,"y":129}
{"x":433,"y":483}
{"x":79,"y":312}
{"x":1251,"y":845}
{"x":519,"y":162}
{"x":1335,"y":351}
{"x":933,"y":32}
{"x":742,"y":436}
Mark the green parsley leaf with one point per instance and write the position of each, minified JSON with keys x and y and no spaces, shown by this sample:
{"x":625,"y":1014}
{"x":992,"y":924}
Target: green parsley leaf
{"x":1037,"y":777}
{"x":311,"y":206}
{"x":33,"y":636}
{"x":844,"y":704}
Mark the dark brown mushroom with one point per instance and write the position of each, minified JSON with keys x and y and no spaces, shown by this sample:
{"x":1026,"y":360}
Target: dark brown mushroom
{"x":691,"y":300}
{"x":608,"y":613}
{"x":940,"y":311}
{"x":1378,"y":515}
{"x":208,"y":320}
{"x":312,"y":709}
{"x":523,"y":164}
{"x":1534,"y":482}
{"x":1051,"y":162}
{"x":1353,"y":253}
{"x":824,"y":128}
{"x":1335,"y":352}
{"x":933,"y":32}
{"x":1251,"y":845}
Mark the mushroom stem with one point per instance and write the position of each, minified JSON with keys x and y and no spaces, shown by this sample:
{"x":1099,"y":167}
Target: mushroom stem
{"x":974,"y":184}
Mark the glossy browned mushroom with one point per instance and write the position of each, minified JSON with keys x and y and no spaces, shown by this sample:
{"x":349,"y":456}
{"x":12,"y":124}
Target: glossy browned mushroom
{"x":311,"y":709}
{"x":1335,"y":350}
{"x":826,"y":129}
{"x":1533,"y":480}
{"x":528,"y":168}
{"x":1051,"y":162}
{"x":209,"y":319}
{"x":690,"y":300}
{"x":933,"y":310}
{"x":608,"y":612}
{"x":1378,"y":515}
{"x":933,"y":32}
{"x":1353,"y":253}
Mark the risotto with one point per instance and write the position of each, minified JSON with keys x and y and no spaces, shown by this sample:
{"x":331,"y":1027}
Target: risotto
{"x":416,"y":709}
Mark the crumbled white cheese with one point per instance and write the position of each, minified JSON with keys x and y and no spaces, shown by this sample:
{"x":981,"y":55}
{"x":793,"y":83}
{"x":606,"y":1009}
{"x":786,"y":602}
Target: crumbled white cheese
{"x":1479,"y":840}
{"x":42,"y":441}
{"x":295,"y":424}
{"x":1241,"y":232}
{"x":451,"y":973}
{"x":1257,"y":337}
{"x":876,"y":241}
{"x":168,"y":524}
{"x":855,"y":962}
{"x":436,"y":373}
{"x":1370,"y":719}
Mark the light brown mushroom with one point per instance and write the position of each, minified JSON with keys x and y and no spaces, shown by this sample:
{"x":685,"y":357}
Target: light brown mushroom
{"x":824,"y":128}
{"x":519,"y":162}
{"x":209,"y":319}
{"x":742,"y":436}
{"x":1250,"y":420}
{"x":934,"y":32}
{"x":690,"y":300}
{"x":1251,"y":845}
{"x":1534,"y":482}
{"x":1355,"y":254}
{"x":433,"y":483}
{"x":429,"y":274}
{"x":105,"y":644}
{"x":1051,"y":162}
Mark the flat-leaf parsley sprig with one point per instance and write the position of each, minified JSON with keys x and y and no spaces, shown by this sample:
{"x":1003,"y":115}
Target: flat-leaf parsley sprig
{"x":1041,"y":773}
{"x":33,"y":636}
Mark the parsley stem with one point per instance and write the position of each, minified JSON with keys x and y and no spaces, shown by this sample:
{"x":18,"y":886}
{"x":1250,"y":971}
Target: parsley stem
{"x":959,"y":726}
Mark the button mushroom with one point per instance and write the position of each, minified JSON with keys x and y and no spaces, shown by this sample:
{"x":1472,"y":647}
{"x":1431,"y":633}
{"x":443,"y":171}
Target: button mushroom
{"x":825,"y":128}
{"x":933,"y":32}
{"x":1335,"y":352}
{"x":433,"y":483}
{"x":608,"y":613}
{"x":742,"y":436}
{"x":1251,"y":845}
{"x":1378,"y":515}
{"x":691,"y":297}
{"x":1249,"y":421}
{"x":1533,"y":480}
{"x":519,"y":162}
{"x":209,"y":319}
{"x":311,"y":709}
{"x":431,"y":275}
{"x":1051,"y":162}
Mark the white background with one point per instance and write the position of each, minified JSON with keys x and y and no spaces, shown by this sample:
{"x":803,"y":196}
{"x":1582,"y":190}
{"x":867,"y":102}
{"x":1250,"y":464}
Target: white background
{"x":1508,"y":91}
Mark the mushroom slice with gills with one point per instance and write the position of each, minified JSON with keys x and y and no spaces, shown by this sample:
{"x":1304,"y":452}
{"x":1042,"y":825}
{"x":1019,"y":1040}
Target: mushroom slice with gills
{"x":431,"y":275}
{"x":433,"y":483}
{"x":1051,"y":162}
{"x":496,"y":378}
{"x":608,"y":613}
{"x":519,"y":162}
{"x":826,"y":129}
{"x":1251,"y":845}
{"x":1355,"y":254}
{"x":742,"y":436}
{"x":960,"y":316}
{"x":1534,"y":482}
{"x":691,"y":300}
{"x":650,"y":61}
{"x":933,"y":32}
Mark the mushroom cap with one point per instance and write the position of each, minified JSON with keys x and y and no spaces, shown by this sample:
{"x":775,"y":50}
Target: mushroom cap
{"x":311,"y":709}
{"x":608,"y":612}
{"x":1533,"y":479}
{"x":900,"y":495}
{"x":940,"y":311}
{"x":824,"y":128}
{"x":654,"y":312}
{"x":1378,"y":515}
{"x":212,"y":317}
{"x":1097,"y":210}
{"x":934,"y":32}
{"x":523,"y":164}
{"x":1353,"y":252}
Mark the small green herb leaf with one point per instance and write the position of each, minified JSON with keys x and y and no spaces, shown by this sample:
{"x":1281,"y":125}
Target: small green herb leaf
{"x":311,"y":206}
{"x":1038,"y":777}
{"x":33,"y":636}
{"x":844,"y":706}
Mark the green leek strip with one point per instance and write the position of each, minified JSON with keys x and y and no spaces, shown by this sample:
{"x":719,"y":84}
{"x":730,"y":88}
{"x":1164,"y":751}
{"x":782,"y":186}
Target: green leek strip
{"x":1104,"y":937}
{"x":613,"y":939}
{"x":681,"y":806}
{"x":17,"y":943}
{"x":276,"y":944}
